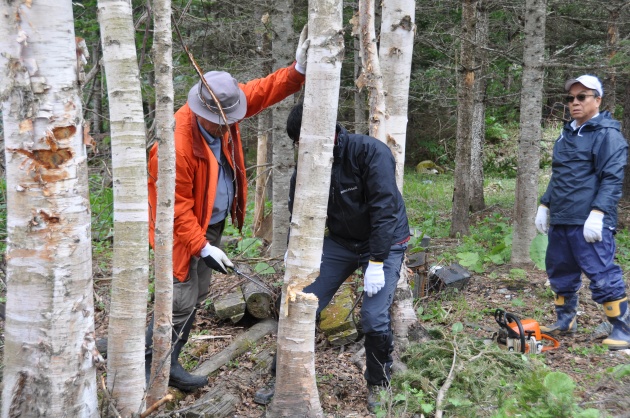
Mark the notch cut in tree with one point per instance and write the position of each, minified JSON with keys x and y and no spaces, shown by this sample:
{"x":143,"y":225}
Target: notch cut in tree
{"x":296,"y":390}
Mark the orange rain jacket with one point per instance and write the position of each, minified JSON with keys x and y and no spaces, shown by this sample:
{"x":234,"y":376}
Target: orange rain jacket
{"x":196,"y":169}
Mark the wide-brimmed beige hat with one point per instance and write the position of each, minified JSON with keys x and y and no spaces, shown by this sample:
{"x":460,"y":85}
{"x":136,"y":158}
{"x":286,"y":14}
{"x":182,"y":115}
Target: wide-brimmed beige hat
{"x":225,"y":88}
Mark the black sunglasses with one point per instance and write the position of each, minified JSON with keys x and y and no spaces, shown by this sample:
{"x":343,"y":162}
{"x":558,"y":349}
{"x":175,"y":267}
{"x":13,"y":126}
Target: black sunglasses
{"x":581,"y":97}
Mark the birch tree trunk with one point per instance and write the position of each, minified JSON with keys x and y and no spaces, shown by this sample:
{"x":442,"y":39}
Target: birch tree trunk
{"x":296,"y":390}
{"x":465,"y":105}
{"x":360,"y":99}
{"x":395,"y":54}
{"x":526,"y":199}
{"x":165,"y":126}
{"x":283,"y":51}
{"x":49,"y":352}
{"x":477,"y":201}
{"x":371,"y":77}
{"x":128,"y":311}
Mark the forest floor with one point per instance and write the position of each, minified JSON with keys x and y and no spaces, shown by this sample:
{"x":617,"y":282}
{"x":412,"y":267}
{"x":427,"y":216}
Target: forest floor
{"x":341,"y":385}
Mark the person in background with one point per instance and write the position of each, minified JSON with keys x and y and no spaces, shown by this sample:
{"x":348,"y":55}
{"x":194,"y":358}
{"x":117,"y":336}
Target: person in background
{"x":367,"y":229}
{"x":210,"y":184}
{"x":578,"y":212}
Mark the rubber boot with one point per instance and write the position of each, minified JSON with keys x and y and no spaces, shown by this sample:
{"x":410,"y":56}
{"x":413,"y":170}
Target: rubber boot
{"x":180,"y":378}
{"x":264,"y":395}
{"x":148,"y":350}
{"x":378,"y":364}
{"x":619,"y":316}
{"x":566,"y":312}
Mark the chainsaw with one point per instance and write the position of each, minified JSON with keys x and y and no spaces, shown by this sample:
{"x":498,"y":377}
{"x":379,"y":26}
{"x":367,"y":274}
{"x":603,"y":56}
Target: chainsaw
{"x":522,"y":335}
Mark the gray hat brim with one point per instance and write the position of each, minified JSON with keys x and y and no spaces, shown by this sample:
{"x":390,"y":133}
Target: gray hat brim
{"x":235,"y":115}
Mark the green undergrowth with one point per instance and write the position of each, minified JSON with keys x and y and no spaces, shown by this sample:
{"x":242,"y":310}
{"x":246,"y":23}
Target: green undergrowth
{"x":478,"y":380}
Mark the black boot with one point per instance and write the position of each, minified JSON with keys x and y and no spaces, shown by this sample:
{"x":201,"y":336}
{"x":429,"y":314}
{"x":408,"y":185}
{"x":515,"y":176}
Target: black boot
{"x":378,"y":364}
{"x":264,"y":395}
{"x":148,"y":350}
{"x":180,"y":378}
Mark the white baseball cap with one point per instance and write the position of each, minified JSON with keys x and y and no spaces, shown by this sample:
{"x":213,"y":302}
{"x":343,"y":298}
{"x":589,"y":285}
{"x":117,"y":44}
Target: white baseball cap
{"x":588,"y":81}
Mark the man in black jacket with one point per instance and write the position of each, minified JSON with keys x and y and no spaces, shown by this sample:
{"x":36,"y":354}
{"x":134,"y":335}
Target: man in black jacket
{"x":367,"y":229}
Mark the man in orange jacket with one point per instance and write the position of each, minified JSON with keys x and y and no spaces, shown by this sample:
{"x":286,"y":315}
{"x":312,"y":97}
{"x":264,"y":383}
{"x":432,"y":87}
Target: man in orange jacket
{"x":210,"y":183}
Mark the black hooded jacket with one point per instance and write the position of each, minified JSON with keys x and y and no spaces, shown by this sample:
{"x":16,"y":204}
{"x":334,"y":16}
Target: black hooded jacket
{"x":366,"y":212}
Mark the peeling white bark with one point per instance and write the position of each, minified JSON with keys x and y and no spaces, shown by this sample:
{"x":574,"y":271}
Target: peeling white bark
{"x":49,"y":354}
{"x":128,"y":310}
{"x":296,"y":390}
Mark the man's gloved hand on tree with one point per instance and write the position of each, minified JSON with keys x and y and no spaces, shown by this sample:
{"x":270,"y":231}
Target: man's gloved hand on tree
{"x":301,"y":52}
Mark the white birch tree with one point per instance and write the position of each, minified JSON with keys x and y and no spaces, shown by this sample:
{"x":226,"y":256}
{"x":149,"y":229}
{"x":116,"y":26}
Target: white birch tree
{"x":296,"y":390}
{"x":283,"y":50}
{"x":165,"y":126}
{"x":49,"y":354}
{"x":371,"y":76}
{"x":395,"y":54}
{"x":128,"y":310}
{"x":526,"y":199}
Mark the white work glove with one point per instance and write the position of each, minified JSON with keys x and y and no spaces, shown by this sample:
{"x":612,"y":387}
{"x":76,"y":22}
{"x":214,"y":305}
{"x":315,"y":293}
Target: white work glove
{"x":301,"y":51}
{"x":542,"y":219}
{"x":593,"y":226}
{"x":374,"y":279}
{"x":215,"y":258}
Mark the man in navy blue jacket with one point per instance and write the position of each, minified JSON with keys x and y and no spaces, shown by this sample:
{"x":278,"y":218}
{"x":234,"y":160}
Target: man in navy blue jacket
{"x":579,"y":212}
{"x":367,"y":229}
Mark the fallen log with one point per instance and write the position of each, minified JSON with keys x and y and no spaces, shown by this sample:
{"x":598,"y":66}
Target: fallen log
{"x":259,"y":300}
{"x":222,"y":399}
{"x":217,"y":403}
{"x":240,"y":345}
{"x":336,"y":321}
{"x":230,"y":306}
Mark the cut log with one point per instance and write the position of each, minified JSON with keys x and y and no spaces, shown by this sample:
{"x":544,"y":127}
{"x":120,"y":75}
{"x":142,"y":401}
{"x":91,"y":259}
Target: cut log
{"x":241,"y":344}
{"x":230,"y":306}
{"x":259,"y":300}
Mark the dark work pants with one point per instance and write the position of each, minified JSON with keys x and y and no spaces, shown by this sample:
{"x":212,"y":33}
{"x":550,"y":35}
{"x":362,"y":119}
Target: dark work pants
{"x":568,"y":255}
{"x":338,"y":263}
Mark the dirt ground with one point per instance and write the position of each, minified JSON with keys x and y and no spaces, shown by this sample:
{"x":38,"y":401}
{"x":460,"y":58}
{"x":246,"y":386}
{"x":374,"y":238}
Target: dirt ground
{"x":341,"y":385}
